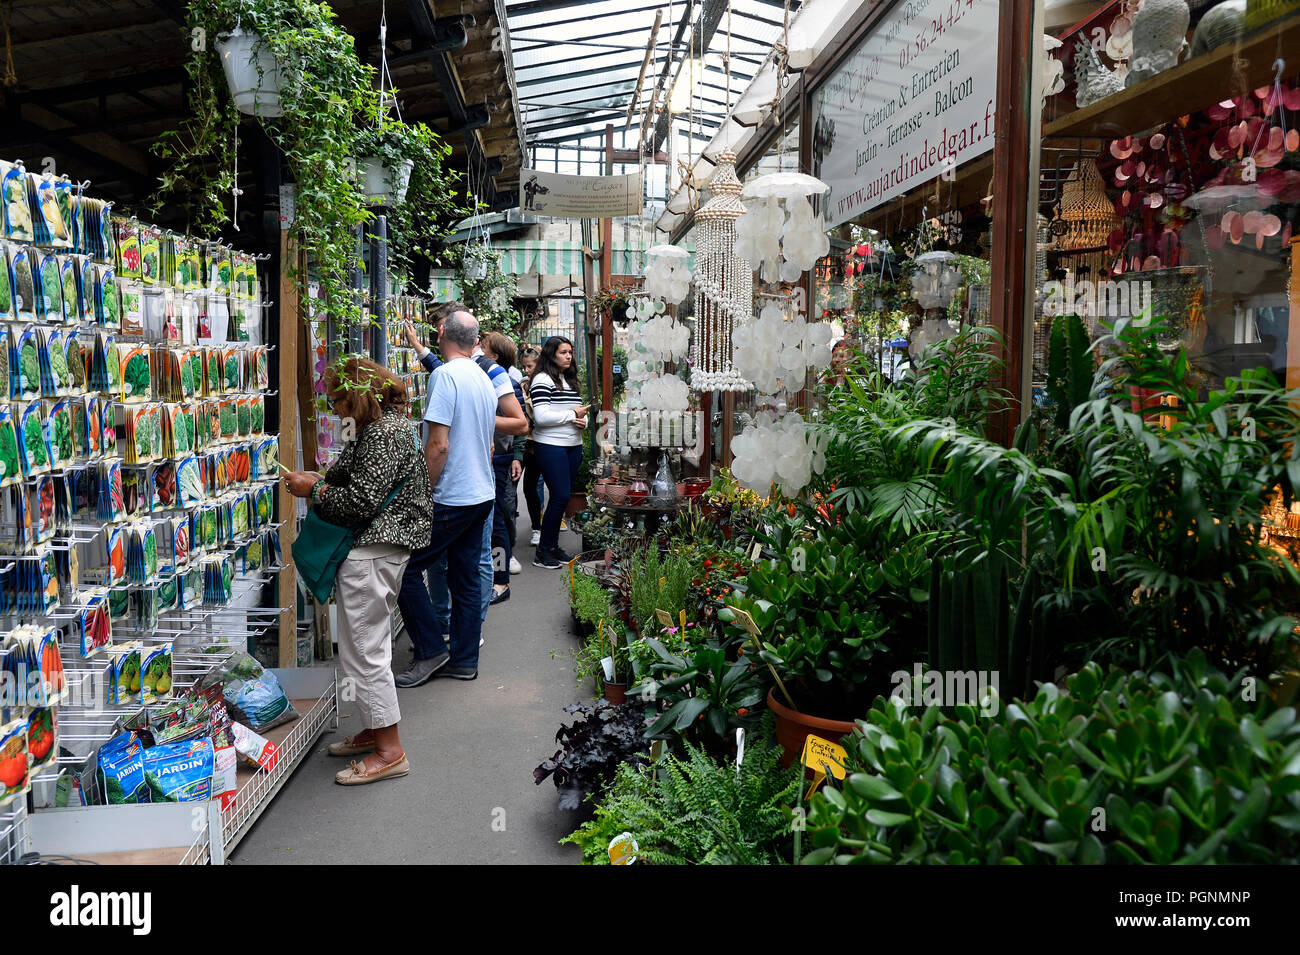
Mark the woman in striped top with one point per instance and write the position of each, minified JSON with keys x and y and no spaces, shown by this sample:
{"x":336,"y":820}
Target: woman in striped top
{"x":559,"y":419}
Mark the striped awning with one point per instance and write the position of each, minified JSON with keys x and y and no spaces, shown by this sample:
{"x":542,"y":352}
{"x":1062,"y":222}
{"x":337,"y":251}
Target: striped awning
{"x":443,"y":285}
{"x":524,"y":257}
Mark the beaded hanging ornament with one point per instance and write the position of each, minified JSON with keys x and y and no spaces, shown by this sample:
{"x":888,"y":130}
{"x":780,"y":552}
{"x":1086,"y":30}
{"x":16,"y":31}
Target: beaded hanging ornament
{"x":724,"y":283}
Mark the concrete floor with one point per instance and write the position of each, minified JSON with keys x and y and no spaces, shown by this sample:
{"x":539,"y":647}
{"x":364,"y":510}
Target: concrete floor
{"x":470,"y":796}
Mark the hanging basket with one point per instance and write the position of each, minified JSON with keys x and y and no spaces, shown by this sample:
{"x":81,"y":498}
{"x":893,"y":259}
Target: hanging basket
{"x":252,"y":72}
{"x":1086,"y":209}
{"x":382,"y":185}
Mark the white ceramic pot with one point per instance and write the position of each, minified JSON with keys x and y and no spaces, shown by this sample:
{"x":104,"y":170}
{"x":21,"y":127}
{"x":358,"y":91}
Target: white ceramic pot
{"x":383,"y":186}
{"x":252,"y":72}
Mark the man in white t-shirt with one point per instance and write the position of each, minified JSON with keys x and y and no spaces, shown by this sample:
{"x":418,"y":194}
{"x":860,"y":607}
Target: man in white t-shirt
{"x":462,"y":413}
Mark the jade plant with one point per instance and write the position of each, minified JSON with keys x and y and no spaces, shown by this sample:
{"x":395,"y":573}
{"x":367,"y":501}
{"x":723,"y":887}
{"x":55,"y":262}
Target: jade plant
{"x":1113,"y":767}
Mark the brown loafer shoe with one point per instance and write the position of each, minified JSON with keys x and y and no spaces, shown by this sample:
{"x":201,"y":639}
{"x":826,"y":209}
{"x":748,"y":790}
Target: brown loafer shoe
{"x":350,"y":747}
{"x":356,"y":775}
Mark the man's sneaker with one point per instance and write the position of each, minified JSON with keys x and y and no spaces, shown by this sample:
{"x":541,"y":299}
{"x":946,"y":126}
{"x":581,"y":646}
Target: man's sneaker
{"x":560,"y":555}
{"x":546,"y":558}
{"x":536,"y":538}
{"x":515,"y":566}
{"x":459,"y":673}
{"x":420,"y":671}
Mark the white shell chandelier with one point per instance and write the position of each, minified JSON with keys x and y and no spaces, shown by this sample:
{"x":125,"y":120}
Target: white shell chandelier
{"x":667,"y":273}
{"x":776,"y":353}
{"x":786,"y":452}
{"x":782,"y":233}
{"x":724,"y":280}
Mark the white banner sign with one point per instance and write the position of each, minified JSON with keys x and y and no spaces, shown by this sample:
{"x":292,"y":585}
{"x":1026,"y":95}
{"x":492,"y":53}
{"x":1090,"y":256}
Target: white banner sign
{"x":913,"y":102}
{"x":580,"y":197}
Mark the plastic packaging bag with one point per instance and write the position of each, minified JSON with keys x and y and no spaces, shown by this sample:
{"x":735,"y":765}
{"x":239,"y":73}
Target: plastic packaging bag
{"x":254,"y":696}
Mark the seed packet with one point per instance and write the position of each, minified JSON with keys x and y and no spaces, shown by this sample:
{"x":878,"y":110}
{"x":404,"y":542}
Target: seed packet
{"x":52,"y":230}
{"x":59,"y":424}
{"x":253,"y":555}
{"x":108,"y":298}
{"x":124,"y":674}
{"x":116,"y":549}
{"x":45,"y":581}
{"x":179,"y":529}
{"x":164,"y":486}
{"x":233,"y":379}
{"x":119,"y":768}
{"x":212,"y":378}
{"x":111,"y":504}
{"x":94,"y":624}
{"x":80,"y":431}
{"x":263,"y":507}
{"x":257,"y":416}
{"x":239,"y":516}
{"x":43,"y":657}
{"x":92,"y":289}
{"x":192,"y":374}
{"x":157,"y":681}
{"x":42,"y":736}
{"x":192,"y":588}
{"x":150,"y":254}
{"x":17,"y":209}
{"x":25,"y":373}
{"x":11,"y":469}
{"x":136,"y":492}
{"x":243,"y":417}
{"x":132,"y":303}
{"x":108,"y":428}
{"x":135,"y":374}
{"x":42,"y":509}
{"x":145,"y":608}
{"x":155,"y":432}
{"x":7,"y":310}
{"x":15,"y":778}
{"x":179,"y":431}
{"x":127,"y":259}
{"x":69,"y":271}
{"x":49,"y":291}
{"x":24,"y":280}
{"x":33,"y":442}
{"x":74,"y":360}
{"x":219,"y":269}
{"x":205,"y":536}
{"x":229,"y":418}
{"x":189,"y":481}
{"x":119,"y":602}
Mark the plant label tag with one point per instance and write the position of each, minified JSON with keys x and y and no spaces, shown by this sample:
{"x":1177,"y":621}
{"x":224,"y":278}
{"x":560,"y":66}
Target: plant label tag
{"x":740,"y":746}
{"x":744,"y":618}
{"x":662,"y":581}
{"x":607,"y":664}
{"x":656,"y":750}
{"x":665,"y":621}
{"x":756,"y":551}
{"x":622,"y":849}
{"x":821,"y":755}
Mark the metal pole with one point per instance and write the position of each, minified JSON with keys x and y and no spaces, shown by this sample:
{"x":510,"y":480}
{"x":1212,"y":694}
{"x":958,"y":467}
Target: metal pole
{"x":379,"y":287}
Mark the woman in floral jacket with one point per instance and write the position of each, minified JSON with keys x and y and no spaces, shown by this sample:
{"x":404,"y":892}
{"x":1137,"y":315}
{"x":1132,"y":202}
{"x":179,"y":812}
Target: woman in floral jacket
{"x":382,"y":459}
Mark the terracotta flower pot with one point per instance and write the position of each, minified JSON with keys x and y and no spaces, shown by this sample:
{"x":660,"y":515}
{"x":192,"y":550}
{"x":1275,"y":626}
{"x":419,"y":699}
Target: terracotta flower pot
{"x":577,"y":503}
{"x":793,"y":727}
{"x":616,"y":693}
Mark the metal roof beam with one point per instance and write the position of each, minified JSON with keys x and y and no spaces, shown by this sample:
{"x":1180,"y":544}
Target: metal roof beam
{"x":710,"y":17}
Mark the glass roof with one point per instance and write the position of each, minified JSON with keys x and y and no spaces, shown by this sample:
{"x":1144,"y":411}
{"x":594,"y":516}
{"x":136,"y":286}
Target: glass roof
{"x":576,"y":63}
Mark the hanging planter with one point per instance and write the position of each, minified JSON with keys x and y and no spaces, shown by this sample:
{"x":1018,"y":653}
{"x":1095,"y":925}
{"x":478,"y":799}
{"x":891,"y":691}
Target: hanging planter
{"x":384,"y":184}
{"x":252,"y":72}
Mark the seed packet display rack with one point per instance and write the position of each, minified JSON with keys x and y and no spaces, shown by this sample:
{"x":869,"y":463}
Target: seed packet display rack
{"x":136,"y":471}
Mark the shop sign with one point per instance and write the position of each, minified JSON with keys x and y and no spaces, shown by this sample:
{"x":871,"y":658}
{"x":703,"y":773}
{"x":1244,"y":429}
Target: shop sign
{"x":913,"y":102}
{"x":580,"y":197}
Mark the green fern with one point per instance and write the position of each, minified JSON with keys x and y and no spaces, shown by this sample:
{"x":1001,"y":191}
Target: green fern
{"x":695,"y":810}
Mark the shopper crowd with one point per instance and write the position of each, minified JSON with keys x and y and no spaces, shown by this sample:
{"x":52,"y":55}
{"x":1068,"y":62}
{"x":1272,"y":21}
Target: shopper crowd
{"x":433,"y":526}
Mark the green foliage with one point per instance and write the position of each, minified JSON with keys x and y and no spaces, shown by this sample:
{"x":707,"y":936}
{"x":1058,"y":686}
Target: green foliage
{"x":1069,"y":367}
{"x":695,"y":811}
{"x":644,"y":570}
{"x":707,"y":690}
{"x":491,"y":298}
{"x":1117,"y":768}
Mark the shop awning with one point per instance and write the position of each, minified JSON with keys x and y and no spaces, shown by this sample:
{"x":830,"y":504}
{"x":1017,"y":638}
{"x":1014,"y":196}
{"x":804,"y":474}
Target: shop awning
{"x":562,"y":258}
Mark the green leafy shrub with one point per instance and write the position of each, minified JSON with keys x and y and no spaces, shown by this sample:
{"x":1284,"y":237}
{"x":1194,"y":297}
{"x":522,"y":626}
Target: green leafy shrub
{"x":706,"y":690}
{"x":1118,"y":767}
{"x":645,"y":569}
{"x":697,"y":811}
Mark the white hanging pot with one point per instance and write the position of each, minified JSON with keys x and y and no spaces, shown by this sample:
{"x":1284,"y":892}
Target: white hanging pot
{"x":252,"y":72}
{"x":383,"y":186}
{"x":476,"y":269}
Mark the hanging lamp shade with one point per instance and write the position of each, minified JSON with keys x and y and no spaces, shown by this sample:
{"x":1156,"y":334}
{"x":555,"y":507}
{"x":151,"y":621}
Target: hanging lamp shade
{"x":724,"y":290}
{"x":1086,"y":208}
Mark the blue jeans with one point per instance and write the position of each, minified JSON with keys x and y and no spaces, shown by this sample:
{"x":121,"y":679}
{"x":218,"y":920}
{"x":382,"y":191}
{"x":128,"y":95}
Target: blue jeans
{"x":559,"y":466}
{"x":503,"y":519}
{"x":458,"y":539}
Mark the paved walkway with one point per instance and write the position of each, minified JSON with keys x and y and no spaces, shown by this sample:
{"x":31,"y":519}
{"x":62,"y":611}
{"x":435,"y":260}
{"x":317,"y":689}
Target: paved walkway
{"x":470,"y":796}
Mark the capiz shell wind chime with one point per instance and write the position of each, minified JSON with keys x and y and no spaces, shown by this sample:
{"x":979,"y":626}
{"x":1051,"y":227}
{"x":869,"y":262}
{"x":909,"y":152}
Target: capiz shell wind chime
{"x":724,"y":283}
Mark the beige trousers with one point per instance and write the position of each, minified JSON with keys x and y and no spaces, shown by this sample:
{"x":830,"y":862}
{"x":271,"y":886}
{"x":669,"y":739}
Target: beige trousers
{"x":365,"y":591}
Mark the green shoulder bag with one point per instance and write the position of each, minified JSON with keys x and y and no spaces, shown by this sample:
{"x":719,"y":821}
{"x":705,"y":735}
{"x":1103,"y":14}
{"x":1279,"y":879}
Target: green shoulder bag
{"x":321,"y":547}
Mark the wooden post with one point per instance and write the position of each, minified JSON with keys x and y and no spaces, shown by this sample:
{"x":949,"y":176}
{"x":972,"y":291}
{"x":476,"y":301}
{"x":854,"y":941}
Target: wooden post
{"x":287,"y":385}
{"x":1015,"y":177}
{"x":606,"y":281}
{"x":1293,"y":328}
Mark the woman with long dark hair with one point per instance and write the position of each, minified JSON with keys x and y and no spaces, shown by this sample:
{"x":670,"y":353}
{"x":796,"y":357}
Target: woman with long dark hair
{"x":534,"y":488}
{"x":559,"y":420}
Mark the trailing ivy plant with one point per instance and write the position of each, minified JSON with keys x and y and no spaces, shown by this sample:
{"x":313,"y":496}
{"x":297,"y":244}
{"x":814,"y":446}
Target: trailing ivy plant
{"x":326,"y":94}
{"x":491,"y":298}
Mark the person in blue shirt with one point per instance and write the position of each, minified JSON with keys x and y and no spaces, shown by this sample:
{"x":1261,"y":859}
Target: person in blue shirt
{"x":463,"y":413}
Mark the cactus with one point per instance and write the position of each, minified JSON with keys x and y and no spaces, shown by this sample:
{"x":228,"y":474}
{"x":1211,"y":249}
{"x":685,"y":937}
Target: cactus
{"x":1069,"y":366}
